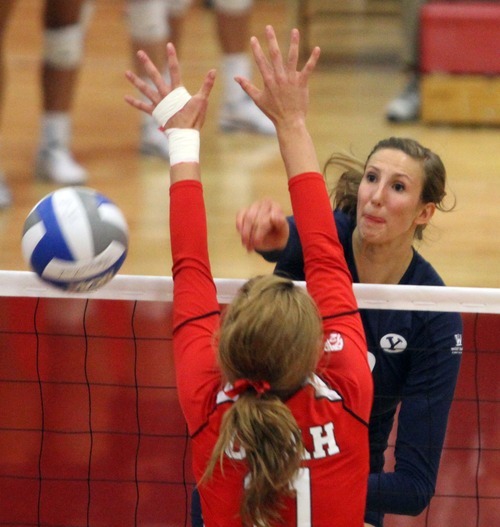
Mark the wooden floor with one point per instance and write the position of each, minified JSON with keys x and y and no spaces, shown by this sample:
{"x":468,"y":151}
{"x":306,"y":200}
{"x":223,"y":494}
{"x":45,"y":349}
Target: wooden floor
{"x":358,"y":75}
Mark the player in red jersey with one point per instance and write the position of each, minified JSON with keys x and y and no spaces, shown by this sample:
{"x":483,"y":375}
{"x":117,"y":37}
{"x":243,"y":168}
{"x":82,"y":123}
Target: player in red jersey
{"x":278,"y":394}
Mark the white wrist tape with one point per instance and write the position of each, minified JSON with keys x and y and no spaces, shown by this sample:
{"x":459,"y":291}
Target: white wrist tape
{"x":183,"y":145}
{"x":170,"y":105}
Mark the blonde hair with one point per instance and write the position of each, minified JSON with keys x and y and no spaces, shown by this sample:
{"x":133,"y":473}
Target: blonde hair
{"x":345,"y":193}
{"x":271,"y":332}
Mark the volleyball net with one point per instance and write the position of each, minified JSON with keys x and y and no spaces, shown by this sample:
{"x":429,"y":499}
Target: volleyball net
{"x":91,"y":432}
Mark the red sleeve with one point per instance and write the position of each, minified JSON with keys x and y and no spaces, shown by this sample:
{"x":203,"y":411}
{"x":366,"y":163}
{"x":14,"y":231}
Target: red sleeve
{"x":196,"y":310}
{"x":344,"y":363}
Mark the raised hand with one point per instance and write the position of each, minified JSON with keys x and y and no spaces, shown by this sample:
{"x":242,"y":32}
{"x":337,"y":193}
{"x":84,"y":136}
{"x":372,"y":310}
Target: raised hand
{"x":192,"y":114}
{"x":285,"y":95}
{"x":285,"y":99}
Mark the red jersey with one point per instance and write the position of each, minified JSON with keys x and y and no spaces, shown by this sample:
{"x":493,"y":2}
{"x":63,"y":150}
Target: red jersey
{"x":333,"y":406}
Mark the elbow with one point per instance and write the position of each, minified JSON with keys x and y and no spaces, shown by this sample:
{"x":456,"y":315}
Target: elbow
{"x":418,"y":503}
{"x":400,"y":495}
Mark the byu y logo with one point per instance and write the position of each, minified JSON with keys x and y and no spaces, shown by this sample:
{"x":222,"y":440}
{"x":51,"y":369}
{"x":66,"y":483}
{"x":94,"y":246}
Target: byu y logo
{"x":393,"y":343}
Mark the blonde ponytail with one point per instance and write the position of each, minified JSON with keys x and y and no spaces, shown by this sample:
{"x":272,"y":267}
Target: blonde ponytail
{"x":266,"y":430}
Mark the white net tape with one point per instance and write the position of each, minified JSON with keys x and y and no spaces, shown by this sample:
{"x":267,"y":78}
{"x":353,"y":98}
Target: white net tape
{"x":369,"y":296}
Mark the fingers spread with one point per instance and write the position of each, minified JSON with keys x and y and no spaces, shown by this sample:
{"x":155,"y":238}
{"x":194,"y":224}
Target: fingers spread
{"x":150,"y":69}
{"x":142,"y":86}
{"x":173,"y":66}
{"x":250,"y":89}
{"x":260,"y":58}
{"x":140,"y":105}
{"x":274,"y":50}
{"x":311,"y":62}
{"x":208,"y":84}
{"x":293,"y":52}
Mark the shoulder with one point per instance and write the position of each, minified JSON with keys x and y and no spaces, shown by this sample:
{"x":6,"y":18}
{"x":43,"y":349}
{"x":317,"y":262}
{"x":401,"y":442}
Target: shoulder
{"x":345,"y":226}
{"x":421,"y":272}
{"x":344,"y":221}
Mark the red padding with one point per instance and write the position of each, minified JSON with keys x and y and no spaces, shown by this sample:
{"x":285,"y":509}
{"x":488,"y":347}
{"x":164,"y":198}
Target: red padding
{"x":460,"y":37}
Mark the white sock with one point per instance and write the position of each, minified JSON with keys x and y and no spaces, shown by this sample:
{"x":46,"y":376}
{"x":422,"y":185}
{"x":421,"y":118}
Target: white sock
{"x":235,"y":64}
{"x":55,"y":130}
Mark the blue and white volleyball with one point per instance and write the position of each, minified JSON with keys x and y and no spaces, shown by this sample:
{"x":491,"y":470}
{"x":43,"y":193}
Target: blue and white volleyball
{"x":75,"y":239}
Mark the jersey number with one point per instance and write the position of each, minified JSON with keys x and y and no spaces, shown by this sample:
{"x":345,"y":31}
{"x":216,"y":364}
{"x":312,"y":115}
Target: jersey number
{"x":302,"y":487}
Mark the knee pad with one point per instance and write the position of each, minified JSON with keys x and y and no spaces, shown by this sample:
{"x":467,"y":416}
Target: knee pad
{"x":178,"y":8}
{"x":233,"y":7}
{"x":147,"y":19}
{"x":63,"y":46}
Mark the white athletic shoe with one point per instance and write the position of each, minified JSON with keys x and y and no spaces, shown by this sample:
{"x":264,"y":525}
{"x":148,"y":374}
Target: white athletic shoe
{"x":405,"y":107}
{"x":58,"y":166}
{"x":245,"y":116}
{"x":5,"y":195}
{"x":153,"y":141}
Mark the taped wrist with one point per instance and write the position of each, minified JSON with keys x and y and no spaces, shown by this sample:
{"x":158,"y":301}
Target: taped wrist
{"x":183,"y":145}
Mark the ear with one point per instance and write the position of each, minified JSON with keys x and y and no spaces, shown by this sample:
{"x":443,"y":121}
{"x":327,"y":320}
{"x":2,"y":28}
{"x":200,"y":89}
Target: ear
{"x":425,"y":214}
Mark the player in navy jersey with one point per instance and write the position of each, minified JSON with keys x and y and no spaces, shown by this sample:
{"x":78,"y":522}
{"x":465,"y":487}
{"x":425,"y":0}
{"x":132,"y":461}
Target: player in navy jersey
{"x":278,"y":413}
{"x":380,"y":208}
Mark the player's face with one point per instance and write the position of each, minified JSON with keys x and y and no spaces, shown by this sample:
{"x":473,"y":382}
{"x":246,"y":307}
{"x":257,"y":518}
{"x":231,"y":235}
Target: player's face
{"x":389,"y":204}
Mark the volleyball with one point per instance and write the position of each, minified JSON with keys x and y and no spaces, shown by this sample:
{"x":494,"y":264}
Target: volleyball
{"x":75,"y":239}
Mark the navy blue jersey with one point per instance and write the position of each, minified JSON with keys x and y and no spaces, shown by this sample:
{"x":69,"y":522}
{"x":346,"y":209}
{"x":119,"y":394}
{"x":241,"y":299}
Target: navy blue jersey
{"x":417,"y":358}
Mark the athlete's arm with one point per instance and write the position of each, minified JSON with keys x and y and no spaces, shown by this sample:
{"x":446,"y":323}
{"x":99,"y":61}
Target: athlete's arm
{"x":196,"y":310}
{"x":284,"y":99}
{"x":422,"y":420}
